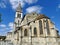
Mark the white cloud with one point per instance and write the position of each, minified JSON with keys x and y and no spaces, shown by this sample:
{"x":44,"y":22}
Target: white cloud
{"x":31,"y":1}
{"x":10,"y":30}
{"x":36,"y":9}
{"x":2,"y":25}
{"x":14,"y":3}
{"x":10,"y":25}
{"x":2,"y":5}
{"x":6,"y":28}
{"x":3,"y":28}
{"x":59,"y":6}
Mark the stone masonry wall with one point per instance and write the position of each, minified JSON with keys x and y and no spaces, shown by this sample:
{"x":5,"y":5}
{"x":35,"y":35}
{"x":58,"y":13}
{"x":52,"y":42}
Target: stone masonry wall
{"x":39,"y":41}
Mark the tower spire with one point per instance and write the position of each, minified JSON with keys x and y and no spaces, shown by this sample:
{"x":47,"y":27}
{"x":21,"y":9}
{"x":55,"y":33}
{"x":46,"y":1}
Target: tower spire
{"x":19,"y":8}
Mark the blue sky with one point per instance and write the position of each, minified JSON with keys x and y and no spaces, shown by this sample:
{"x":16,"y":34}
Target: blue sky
{"x":50,"y":8}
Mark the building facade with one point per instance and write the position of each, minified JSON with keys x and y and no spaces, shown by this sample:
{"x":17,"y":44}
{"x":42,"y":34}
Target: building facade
{"x":33,"y":29}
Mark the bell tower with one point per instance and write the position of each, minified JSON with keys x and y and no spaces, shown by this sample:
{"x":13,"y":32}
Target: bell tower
{"x":18,"y":15}
{"x":19,"y":11}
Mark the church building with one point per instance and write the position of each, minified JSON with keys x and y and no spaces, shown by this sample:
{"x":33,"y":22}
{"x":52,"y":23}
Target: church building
{"x":33,"y":29}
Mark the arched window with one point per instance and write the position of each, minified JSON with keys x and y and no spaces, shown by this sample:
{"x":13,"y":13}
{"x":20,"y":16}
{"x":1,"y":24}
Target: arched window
{"x":25,"y":32}
{"x":47,"y":26}
{"x":40,"y":26}
{"x":35,"y":31}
